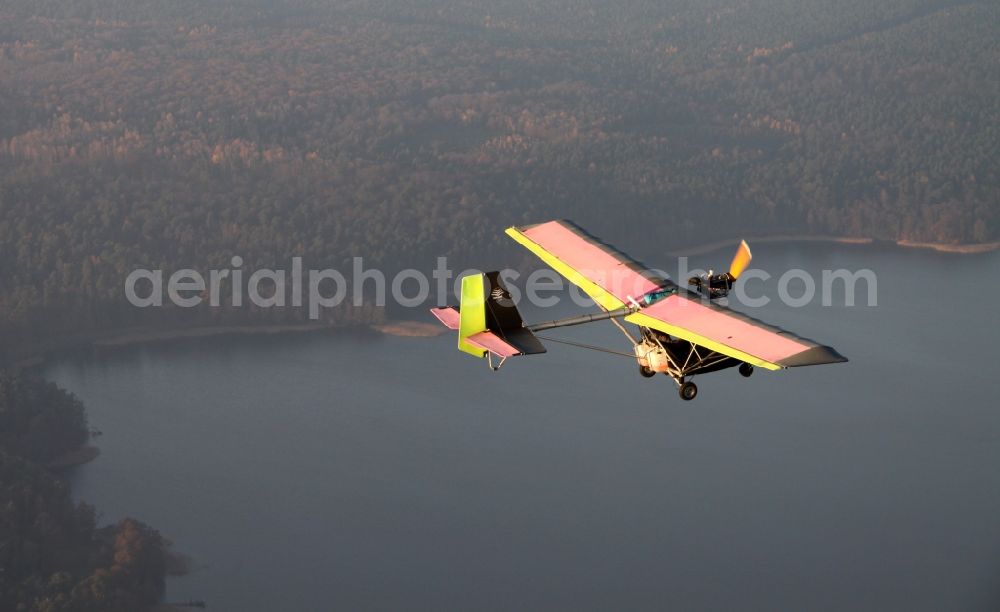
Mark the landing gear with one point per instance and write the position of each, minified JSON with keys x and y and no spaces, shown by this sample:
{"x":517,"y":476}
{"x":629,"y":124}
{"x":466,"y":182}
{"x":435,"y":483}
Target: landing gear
{"x":746,"y":370}
{"x":646,"y":372}
{"x":688,"y":391}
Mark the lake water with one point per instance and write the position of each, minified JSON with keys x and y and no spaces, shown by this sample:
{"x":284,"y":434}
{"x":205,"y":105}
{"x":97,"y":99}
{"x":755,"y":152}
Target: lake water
{"x":360,"y":471}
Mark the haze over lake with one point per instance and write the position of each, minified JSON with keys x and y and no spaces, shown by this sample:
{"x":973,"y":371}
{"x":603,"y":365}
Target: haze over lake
{"x":350,"y":470}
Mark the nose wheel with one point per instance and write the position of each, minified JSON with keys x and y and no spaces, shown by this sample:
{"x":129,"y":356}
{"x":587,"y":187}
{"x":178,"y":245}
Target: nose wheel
{"x":688,"y":391}
{"x":646,"y":372}
{"x":746,"y":370}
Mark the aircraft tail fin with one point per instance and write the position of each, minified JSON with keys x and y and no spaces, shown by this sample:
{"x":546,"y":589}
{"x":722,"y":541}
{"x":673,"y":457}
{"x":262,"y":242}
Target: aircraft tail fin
{"x":487,"y":320}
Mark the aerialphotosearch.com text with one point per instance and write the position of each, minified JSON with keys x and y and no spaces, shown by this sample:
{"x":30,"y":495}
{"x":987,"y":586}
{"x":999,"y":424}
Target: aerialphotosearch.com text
{"x":319,"y":289}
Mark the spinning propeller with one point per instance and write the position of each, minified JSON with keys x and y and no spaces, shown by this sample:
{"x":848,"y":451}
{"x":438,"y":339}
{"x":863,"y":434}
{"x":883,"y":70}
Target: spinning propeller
{"x":718,"y":285}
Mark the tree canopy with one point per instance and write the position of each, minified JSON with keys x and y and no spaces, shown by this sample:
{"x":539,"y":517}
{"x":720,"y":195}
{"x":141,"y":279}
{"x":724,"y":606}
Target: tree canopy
{"x":53,"y":557}
{"x":176,"y":134}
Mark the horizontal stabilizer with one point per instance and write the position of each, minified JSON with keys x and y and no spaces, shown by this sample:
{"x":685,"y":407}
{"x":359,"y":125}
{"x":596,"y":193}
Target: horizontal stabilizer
{"x":488,"y":341}
{"x":448,"y":315}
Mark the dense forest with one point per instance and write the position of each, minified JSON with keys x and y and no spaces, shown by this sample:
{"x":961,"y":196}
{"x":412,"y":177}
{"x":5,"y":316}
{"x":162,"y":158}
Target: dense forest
{"x":38,"y":420}
{"x":53,"y":557}
{"x":178,"y":133}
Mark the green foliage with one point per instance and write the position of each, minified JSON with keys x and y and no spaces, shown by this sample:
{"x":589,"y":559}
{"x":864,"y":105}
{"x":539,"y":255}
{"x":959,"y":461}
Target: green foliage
{"x":52,"y":556}
{"x":39,"y":420}
{"x":175,"y":134}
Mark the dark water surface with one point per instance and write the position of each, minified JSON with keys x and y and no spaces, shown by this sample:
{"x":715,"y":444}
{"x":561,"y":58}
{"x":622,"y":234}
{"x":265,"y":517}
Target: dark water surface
{"x":359,"y":471}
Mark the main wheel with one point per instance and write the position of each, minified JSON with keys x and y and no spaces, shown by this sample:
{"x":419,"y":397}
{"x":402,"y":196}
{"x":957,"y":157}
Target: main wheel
{"x":746,"y":370}
{"x":688,"y":391}
{"x":646,"y":372}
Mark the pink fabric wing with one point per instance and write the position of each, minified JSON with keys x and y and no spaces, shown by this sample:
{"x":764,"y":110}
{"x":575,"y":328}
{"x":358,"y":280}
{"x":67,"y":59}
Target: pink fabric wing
{"x":727,"y":327}
{"x":610,"y":269}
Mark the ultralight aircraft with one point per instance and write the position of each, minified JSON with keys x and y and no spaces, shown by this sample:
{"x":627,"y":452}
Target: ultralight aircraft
{"x":681,"y":332}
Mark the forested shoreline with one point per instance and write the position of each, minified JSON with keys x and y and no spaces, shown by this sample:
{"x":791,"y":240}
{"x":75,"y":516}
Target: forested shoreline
{"x":53,"y":555}
{"x":177,"y":134}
